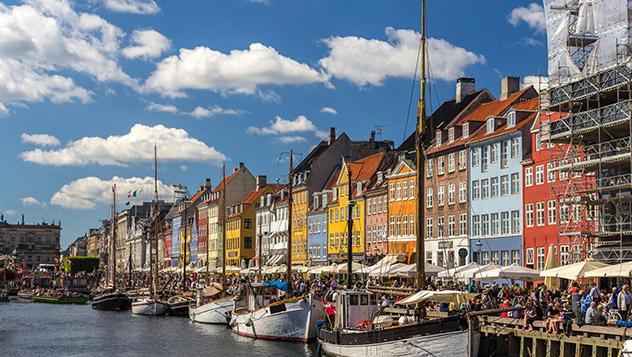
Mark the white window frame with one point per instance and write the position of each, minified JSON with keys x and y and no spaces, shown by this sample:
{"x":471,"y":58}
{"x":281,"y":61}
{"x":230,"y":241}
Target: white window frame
{"x":429,"y":170}
{"x":428,"y":227}
{"x":528,"y":176}
{"x":451,"y":194}
{"x":494,"y":187}
{"x":463,"y":224}
{"x":484,"y":189}
{"x":504,"y":222}
{"x":529,"y":256}
{"x":476,"y":225}
{"x":451,"y":162}
{"x":505,"y":147}
{"x":462,"y":192}
{"x":552,"y":212}
{"x":539,"y":214}
{"x":475,"y":157}
{"x":539,"y":174}
{"x":515,"y":145}
{"x":504,"y":185}
{"x":441,"y":196}
{"x":490,"y":125}
{"x":493,"y":152}
{"x":429,"y":194}
{"x":451,"y":135}
{"x":550,"y":173}
{"x":511,"y":119}
{"x":451,"y":226}
{"x":440,"y":165}
{"x":466,"y":130}
{"x":462,"y":160}
{"x":515,"y":222}
{"x":515,"y":184}
{"x":529,"y":219}
{"x":476,"y":190}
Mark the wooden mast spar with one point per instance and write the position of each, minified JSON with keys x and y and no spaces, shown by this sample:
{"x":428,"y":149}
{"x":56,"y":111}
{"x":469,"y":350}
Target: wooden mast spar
{"x":113,"y":245}
{"x":420,"y":136}
{"x":223,"y":211}
{"x":289,"y":223}
{"x":153,"y":243}
{"x":349,"y":227}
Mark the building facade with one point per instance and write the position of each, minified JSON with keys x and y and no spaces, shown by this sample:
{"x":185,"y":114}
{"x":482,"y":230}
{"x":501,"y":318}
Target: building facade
{"x":34,"y":243}
{"x":402,"y":209}
{"x":376,"y":212}
{"x":317,"y":229}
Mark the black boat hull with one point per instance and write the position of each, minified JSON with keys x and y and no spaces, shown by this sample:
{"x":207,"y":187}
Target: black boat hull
{"x":112,"y":302}
{"x":180,"y":308}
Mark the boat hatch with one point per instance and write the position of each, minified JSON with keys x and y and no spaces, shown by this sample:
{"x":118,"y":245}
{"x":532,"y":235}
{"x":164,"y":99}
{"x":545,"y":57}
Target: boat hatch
{"x":355,"y":307}
{"x":277,"y":308}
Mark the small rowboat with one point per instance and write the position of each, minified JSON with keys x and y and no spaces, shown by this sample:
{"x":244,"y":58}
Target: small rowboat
{"x":60,"y":300}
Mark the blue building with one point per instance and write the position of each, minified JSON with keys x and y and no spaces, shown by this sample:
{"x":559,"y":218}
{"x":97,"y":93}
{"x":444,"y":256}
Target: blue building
{"x":317,"y":230}
{"x":175,"y":241}
{"x":496,"y":151}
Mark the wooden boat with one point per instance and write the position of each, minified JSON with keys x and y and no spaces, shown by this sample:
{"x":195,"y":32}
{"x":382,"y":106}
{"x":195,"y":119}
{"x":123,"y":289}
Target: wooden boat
{"x":149,"y":306}
{"x":178,"y":306}
{"x":79,"y":300}
{"x":213,"y":312}
{"x":111,"y":302}
{"x":291,"y":320}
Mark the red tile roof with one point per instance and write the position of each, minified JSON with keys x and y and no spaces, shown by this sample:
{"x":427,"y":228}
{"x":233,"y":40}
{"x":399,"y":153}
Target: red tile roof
{"x":481,"y":133}
{"x":494,"y":108}
{"x":365,"y":168}
{"x":529,"y":104}
{"x":228,"y":180}
{"x":254,"y":195}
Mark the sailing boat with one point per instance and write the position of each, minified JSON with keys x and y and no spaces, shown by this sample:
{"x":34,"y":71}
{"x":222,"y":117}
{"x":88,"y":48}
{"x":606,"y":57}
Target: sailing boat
{"x":215,"y":311}
{"x":451,"y":335}
{"x":293,"y":319}
{"x":110,"y":298}
{"x":151,"y":305}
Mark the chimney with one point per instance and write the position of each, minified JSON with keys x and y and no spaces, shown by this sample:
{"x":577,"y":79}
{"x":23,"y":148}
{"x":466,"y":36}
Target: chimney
{"x":241,"y":165}
{"x":207,"y":183}
{"x":332,"y":135}
{"x":464,"y":87}
{"x":508,"y":86}
{"x":261,"y":182}
{"x":372,"y":140}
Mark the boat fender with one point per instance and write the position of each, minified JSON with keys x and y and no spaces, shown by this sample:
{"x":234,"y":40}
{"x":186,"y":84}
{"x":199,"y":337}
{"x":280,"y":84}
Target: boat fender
{"x":249,"y":322}
{"x":232,"y":323}
{"x":405,"y":320}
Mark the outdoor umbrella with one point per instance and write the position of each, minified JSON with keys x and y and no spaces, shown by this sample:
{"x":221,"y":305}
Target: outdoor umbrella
{"x":550,"y":281}
{"x":456,"y":272}
{"x":355,"y":267}
{"x":622,"y":270}
{"x":513,"y":271}
{"x":573,"y":271}
{"x":476,"y":273}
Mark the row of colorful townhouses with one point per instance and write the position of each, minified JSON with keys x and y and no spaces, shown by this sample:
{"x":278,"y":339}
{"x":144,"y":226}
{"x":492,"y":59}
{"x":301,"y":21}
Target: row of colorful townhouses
{"x":488,"y":196}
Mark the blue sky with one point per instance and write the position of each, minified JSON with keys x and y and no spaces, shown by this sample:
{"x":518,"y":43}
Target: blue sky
{"x":87,"y":87}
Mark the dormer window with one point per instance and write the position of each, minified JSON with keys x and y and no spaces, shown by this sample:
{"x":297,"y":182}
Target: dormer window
{"x":451,"y":135}
{"x":491,"y":123}
{"x":438,"y":137}
{"x":358,"y":188}
{"x":511,"y":119}
{"x":466,"y":130}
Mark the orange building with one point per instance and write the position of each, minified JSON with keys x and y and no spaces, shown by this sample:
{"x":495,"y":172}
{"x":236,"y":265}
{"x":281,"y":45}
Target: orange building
{"x":402,"y":209}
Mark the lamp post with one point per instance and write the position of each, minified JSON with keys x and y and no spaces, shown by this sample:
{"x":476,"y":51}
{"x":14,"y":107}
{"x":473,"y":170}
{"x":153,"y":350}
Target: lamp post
{"x":479,"y":244}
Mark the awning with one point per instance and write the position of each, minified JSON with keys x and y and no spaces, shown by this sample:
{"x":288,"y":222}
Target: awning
{"x":573,"y":271}
{"x":459,"y":272}
{"x":513,"y":271}
{"x":623,"y":270}
{"x":445,"y":296}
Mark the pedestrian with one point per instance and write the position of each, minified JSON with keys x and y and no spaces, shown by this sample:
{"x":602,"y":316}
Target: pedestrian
{"x":623,"y":301}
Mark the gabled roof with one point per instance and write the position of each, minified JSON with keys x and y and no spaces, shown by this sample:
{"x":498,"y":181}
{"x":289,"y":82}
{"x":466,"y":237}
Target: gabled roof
{"x":498,"y":107}
{"x":365,"y":168}
{"x":231,"y":177}
{"x":254,"y":195}
{"x":527,"y":105}
{"x":481,"y":133}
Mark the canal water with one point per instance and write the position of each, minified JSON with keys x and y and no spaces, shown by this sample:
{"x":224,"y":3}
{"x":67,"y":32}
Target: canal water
{"x":30,"y":329}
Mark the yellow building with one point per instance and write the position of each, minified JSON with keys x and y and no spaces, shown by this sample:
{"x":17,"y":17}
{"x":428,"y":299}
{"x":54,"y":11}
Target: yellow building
{"x":300,"y":206}
{"x":362,"y":172}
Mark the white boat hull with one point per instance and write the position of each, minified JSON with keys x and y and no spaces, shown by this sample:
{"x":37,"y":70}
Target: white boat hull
{"x":214,"y":312}
{"x":149,"y":307}
{"x":449,"y":344}
{"x":296,"y":324}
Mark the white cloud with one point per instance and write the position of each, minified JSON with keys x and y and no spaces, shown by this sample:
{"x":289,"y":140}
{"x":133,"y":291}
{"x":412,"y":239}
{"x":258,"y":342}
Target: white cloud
{"x":147,"y":44}
{"x":164,"y":108}
{"x":532,"y":15}
{"x":88,"y":192}
{"x":396,"y":57}
{"x":328,"y":110}
{"x":240,"y":71}
{"x":43,"y":42}
{"x":184,"y":168}
{"x":133,"y":147}
{"x":282,"y":126}
{"x":201,"y":112}
{"x":261,"y":2}
{"x":538,"y":82}
{"x":40,"y":139}
{"x":9,"y":212}
{"x":290,"y":139}
{"x":3,"y":110}
{"x":32,"y":201}
{"x":141,"y":7}
{"x":529,"y":41}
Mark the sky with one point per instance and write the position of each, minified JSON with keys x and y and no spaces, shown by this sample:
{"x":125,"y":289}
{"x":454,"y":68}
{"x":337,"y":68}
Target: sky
{"x":88,"y":87}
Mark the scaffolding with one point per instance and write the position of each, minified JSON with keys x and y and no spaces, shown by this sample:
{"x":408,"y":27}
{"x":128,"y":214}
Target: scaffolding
{"x":589,"y":130}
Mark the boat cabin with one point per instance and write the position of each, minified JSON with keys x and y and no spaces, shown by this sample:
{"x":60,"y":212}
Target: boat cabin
{"x":354,"y":307}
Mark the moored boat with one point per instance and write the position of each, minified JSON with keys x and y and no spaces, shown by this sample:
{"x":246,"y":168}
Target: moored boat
{"x":79,"y":300}
{"x":213,"y":312}
{"x":149,"y":306}
{"x":178,"y":306}
{"x":111,"y":302}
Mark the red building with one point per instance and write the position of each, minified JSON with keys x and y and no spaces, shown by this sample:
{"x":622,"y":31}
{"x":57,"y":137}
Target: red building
{"x":166,"y":236}
{"x":202,"y":231}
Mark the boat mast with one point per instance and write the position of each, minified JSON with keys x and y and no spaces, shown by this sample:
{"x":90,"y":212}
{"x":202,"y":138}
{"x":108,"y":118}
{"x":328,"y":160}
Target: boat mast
{"x":349,"y":227}
{"x":184,"y":258}
{"x":420,"y":136}
{"x":154,"y":240}
{"x":113,"y":243}
{"x":289,"y":223}
{"x":223,"y":208}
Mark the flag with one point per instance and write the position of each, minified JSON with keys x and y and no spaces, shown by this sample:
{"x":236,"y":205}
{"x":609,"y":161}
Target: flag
{"x":329,"y":308}
{"x":127,"y":203}
{"x":134,"y":194}
{"x":129,"y":194}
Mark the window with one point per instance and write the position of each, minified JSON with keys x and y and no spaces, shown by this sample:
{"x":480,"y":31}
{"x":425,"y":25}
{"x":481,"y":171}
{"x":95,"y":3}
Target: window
{"x":494,"y":187}
{"x":441,"y":227}
{"x":398,"y":191}
{"x":476,"y":225}
{"x":248,"y":242}
{"x":411,"y":222}
{"x":551,"y":212}
{"x":398,"y":226}
{"x":392,"y":192}
{"x":540,"y":258}
{"x":463,"y":224}
{"x":428,"y":257}
{"x":495,"y":258}
{"x":484,"y":189}
{"x":440,"y":261}
{"x":476,"y":190}
{"x":451,"y":194}
{"x":484,"y":158}
{"x":411,"y":189}
{"x":515,"y":222}
{"x":538,"y":142}
{"x":462,"y":192}
{"x":504,"y":256}
{"x":429,"y":198}
{"x":451,"y":162}
{"x":392,"y":225}
{"x":429,"y":228}
{"x":440,"y":163}
{"x":511,"y":119}
{"x":404,"y":225}
{"x":466,"y":130}
{"x":429,"y":171}
{"x":474,"y":157}
{"x":491,"y":123}
{"x":515,"y":184}
{"x":515,"y":257}
{"x":484,"y":224}
{"x":564,"y":213}
{"x":462,"y":160}
{"x":529,"y":256}
{"x":539,"y":213}
{"x":248,"y":223}
{"x":550,"y":173}
{"x":494,"y":153}
{"x":494,"y":224}
{"x":504,"y":154}
{"x":451,"y":134}
{"x":539,"y":174}
{"x":441,"y":196}
{"x":515,"y":146}
{"x":528,"y":176}
{"x":504,"y":185}
{"x":529,"y":214}
{"x":438,"y":137}
{"x":485,"y":258}
{"x":404,"y":190}
{"x":565,"y":257}
{"x":504,"y":222}
{"x":451,"y":226}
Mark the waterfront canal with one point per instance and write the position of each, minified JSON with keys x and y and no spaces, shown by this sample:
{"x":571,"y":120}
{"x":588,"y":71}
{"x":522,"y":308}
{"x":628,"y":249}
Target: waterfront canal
{"x":29,"y":329}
